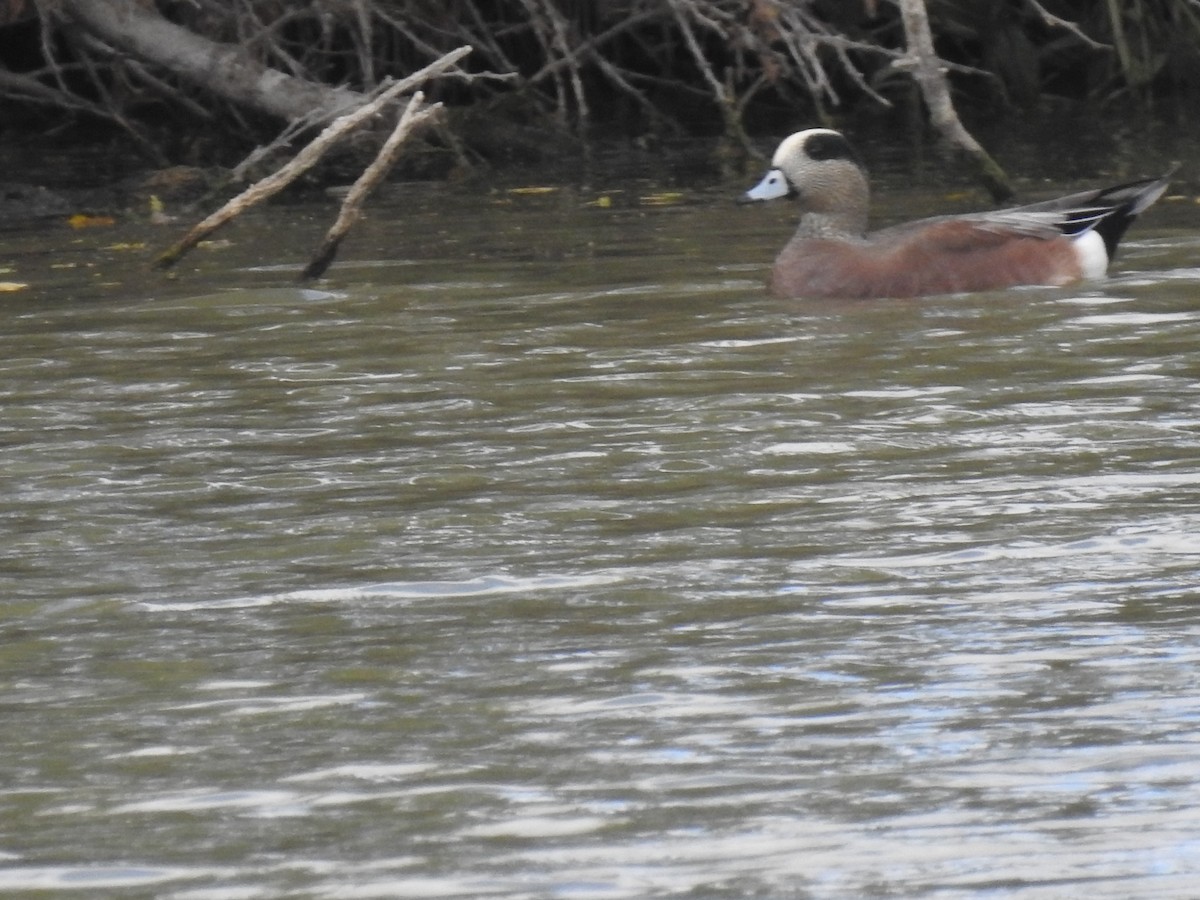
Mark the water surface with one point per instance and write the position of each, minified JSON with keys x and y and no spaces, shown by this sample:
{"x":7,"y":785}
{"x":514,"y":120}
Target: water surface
{"x":536,"y":552}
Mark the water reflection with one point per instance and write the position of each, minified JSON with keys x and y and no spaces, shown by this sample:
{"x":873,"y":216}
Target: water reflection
{"x":571,"y":565}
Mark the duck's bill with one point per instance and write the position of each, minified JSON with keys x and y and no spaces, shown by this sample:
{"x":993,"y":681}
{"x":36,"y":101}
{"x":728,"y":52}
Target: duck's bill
{"x":773,"y":186}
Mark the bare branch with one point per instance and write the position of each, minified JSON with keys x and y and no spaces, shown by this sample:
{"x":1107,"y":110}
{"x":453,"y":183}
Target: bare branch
{"x":304,"y":160}
{"x":931,"y":79}
{"x":1055,"y":22}
{"x":412,"y":118}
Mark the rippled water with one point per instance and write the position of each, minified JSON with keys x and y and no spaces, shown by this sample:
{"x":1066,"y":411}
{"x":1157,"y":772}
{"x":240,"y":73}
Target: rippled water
{"x":537,"y":553}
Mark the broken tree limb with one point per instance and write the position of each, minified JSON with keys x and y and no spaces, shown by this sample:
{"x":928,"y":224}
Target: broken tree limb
{"x":304,"y":160}
{"x":928,"y":72}
{"x":225,"y":69}
{"x":737,"y":145}
{"x":412,"y":117}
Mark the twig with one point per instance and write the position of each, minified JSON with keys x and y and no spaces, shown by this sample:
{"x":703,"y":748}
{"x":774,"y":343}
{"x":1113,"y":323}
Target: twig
{"x":543,"y":31}
{"x":1055,"y":22}
{"x":302,"y":161}
{"x":152,"y":150}
{"x":412,"y":117}
{"x":1124,"y":54}
{"x":931,"y":79}
{"x":589,"y":46}
{"x":285,"y":137}
{"x":560,"y":41}
{"x":652,"y":112}
{"x":363,"y":39}
{"x":723,"y":95}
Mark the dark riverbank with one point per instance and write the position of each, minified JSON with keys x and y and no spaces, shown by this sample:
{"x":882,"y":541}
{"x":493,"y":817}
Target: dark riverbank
{"x":558,"y":80}
{"x":90,"y":173}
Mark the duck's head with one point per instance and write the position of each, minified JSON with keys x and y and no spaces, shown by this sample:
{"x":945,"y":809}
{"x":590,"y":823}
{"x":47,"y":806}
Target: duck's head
{"x":821,"y":170}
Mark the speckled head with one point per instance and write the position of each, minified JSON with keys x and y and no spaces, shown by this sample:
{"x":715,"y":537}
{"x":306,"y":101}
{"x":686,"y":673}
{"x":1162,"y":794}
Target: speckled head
{"x":820,"y":169}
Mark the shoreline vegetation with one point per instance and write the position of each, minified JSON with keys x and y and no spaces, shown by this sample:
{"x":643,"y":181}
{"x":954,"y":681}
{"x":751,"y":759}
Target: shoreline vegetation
{"x":264,"y":91}
{"x":204,"y":82}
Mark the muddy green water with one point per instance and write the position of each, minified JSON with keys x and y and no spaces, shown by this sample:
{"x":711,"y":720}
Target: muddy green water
{"x":536,"y":553}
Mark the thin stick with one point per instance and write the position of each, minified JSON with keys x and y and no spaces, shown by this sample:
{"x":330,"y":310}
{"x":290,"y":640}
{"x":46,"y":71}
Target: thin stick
{"x":722,"y":94}
{"x":412,"y":117}
{"x":302,"y":161}
{"x":935,"y":90}
{"x":1054,"y":21}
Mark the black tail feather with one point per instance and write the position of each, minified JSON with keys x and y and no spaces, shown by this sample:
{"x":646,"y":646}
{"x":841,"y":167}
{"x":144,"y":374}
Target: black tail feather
{"x":1110,"y":210}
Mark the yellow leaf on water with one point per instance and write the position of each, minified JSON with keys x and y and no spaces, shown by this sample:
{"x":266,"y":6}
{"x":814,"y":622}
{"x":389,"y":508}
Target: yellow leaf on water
{"x":8,"y":287}
{"x":79,"y":220}
{"x":664,"y":198}
{"x":532,"y":190}
{"x":603,"y":202}
{"x":158,"y":214}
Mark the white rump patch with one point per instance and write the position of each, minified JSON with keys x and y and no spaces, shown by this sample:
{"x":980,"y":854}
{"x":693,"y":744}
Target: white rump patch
{"x":1093,"y":256}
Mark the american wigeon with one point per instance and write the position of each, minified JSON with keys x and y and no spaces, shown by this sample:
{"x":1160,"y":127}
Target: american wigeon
{"x":831,"y":255}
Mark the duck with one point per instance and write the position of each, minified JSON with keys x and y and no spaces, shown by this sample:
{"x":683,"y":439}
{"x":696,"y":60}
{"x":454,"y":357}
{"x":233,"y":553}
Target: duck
{"x":832,"y":255}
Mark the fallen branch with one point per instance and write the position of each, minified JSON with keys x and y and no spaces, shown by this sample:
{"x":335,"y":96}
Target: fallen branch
{"x":138,"y":29}
{"x":412,"y":118}
{"x":1055,"y":22}
{"x":930,"y":76}
{"x":302,"y":161}
{"x":241,"y":172}
{"x":723,"y":94}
